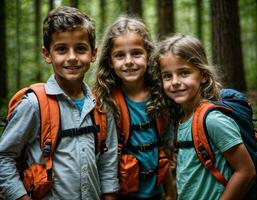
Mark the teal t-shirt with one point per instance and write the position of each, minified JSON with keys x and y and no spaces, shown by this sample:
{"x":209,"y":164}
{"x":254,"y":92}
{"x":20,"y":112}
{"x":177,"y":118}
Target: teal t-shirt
{"x":148,"y":159}
{"x":193,"y":181}
{"x":79,"y":103}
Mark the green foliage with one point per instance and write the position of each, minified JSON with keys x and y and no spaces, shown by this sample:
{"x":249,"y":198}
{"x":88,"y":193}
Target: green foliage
{"x":248,"y":22}
{"x":185,"y":22}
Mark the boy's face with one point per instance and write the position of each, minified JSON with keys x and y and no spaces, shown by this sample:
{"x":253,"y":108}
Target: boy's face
{"x":70,"y":55}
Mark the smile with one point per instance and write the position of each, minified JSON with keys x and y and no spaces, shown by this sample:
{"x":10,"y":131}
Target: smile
{"x":178,"y":91}
{"x":72,"y":67}
{"x":130,"y":70}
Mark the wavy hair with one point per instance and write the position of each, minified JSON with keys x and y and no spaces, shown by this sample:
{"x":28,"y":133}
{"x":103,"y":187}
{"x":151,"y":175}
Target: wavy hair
{"x":189,"y":49}
{"x":107,"y":81}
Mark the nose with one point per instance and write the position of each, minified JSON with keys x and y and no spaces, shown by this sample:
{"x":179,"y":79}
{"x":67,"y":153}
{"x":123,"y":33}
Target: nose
{"x":72,"y":55}
{"x":128,"y":59}
{"x":175,"y":80}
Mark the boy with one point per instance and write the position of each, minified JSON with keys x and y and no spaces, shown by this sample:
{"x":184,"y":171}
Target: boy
{"x":69,"y":45}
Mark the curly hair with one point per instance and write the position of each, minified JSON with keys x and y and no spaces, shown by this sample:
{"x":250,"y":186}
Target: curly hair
{"x":189,"y":49}
{"x":107,"y":81}
{"x":67,"y":18}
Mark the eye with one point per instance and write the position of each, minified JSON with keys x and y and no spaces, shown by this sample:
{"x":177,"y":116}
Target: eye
{"x":137,"y":53}
{"x":119,"y":55}
{"x":166,"y":77}
{"x":81,"y":49}
{"x":184,"y":73}
{"x":61,"y":49}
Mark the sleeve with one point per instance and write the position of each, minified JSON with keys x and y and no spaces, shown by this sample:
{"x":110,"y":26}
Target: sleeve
{"x":223,"y":131}
{"x":108,"y":161}
{"x":24,"y":121}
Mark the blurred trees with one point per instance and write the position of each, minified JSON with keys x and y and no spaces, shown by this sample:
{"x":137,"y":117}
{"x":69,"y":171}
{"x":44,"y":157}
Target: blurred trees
{"x":22,"y":20}
{"x":165,"y":16}
{"x":3,"y":61}
{"x":226,"y":41}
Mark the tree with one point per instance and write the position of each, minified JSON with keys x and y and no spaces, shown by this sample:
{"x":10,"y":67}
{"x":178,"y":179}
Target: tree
{"x":134,"y":8}
{"x":18,"y":52}
{"x":226,"y":43}
{"x":38,"y":39}
{"x":74,"y":3}
{"x":3,"y":61}
{"x":165,"y":13}
{"x":102,"y":14}
{"x":51,"y":4}
{"x":199,"y":18}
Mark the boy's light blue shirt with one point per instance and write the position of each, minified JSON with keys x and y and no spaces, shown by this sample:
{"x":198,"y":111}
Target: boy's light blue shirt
{"x":193,"y":180}
{"x":79,"y":173}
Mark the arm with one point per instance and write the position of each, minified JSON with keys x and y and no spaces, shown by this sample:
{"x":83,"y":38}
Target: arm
{"x":108,"y":162}
{"x":244,"y":172}
{"x":15,"y":136}
{"x":169,"y":187}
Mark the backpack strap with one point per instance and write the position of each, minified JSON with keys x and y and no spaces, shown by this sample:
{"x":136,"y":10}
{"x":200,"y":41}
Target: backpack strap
{"x":50,"y":122}
{"x":100,"y":119}
{"x":123,"y":126}
{"x":200,"y":139}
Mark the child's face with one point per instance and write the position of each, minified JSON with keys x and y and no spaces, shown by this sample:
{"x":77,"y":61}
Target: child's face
{"x":70,"y":54}
{"x":181,"y":80}
{"x":129,"y":58}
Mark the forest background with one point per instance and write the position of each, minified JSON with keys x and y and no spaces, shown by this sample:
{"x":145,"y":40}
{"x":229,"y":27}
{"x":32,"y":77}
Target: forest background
{"x":228,"y":29}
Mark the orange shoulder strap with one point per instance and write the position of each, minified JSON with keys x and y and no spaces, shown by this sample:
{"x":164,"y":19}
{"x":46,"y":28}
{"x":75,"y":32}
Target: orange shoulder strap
{"x":49,"y":115}
{"x":161,"y":125}
{"x":50,"y":122}
{"x":100,"y":118}
{"x":200,"y":140}
{"x":123,"y":125}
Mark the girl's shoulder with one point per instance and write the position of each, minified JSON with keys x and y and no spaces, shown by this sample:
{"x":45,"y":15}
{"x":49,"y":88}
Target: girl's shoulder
{"x":216,"y":119}
{"x":223,"y":130}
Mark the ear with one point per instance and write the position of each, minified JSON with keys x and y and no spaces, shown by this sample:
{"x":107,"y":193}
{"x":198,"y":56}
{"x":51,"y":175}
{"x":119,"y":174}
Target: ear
{"x":204,"y":79}
{"x":93,"y":57}
{"x":46,"y":55}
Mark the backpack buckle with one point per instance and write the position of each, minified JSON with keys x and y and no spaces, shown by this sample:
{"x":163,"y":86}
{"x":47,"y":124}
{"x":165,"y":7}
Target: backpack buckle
{"x":104,"y":147}
{"x":47,"y":148}
{"x":147,"y":173}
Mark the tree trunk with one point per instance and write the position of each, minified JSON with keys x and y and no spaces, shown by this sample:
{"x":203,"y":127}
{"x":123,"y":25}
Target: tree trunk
{"x":199,"y":18}
{"x":18,"y":52}
{"x":3,"y":61}
{"x":134,"y":8}
{"x":226,"y":43}
{"x":103,"y":16}
{"x":38,"y":40}
{"x":165,"y":13}
{"x":51,"y":4}
{"x":74,"y":3}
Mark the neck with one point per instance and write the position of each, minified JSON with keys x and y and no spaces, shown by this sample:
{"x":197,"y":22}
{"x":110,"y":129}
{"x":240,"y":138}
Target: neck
{"x":190,"y":108}
{"x":136,"y":93}
{"x":72,"y":88}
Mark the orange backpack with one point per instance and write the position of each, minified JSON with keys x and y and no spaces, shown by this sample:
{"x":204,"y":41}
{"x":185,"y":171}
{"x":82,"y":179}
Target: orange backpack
{"x":129,"y":167}
{"x":38,"y":178}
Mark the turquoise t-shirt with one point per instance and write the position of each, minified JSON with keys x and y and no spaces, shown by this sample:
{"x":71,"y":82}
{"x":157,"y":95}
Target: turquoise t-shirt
{"x":193,"y":181}
{"x":148,"y":159}
{"x":79,"y":103}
